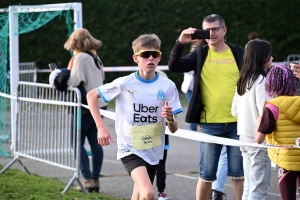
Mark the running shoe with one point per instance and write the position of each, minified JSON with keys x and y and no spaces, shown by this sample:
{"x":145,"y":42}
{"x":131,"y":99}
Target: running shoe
{"x":162,"y":196}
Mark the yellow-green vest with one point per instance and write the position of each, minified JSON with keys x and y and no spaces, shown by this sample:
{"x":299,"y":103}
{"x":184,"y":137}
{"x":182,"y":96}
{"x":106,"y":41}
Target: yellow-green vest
{"x":286,"y":132}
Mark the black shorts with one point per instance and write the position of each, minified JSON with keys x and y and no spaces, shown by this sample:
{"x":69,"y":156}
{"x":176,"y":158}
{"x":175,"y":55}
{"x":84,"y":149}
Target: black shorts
{"x":133,"y":161}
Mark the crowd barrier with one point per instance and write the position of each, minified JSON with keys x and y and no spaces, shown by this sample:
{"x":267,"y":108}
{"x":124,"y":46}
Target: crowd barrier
{"x":48,"y":128}
{"x":28,"y":72}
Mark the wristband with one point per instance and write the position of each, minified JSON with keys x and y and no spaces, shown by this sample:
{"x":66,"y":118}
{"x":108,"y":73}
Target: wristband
{"x":170,"y":121}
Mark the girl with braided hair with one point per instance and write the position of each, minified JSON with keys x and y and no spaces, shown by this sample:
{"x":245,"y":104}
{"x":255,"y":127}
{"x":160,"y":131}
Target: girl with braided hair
{"x":247,"y":106}
{"x":280,"y":125}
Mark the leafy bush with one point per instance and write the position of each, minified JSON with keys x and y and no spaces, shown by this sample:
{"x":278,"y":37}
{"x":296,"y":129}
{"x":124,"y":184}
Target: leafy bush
{"x":118,"y":23}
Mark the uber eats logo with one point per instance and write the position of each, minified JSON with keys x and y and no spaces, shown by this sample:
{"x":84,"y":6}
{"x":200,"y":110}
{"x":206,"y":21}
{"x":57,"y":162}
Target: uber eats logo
{"x":141,"y":108}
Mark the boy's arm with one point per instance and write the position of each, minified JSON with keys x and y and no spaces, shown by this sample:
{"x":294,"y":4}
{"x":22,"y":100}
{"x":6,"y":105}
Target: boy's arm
{"x":173,"y":127}
{"x":166,"y":113}
{"x":104,"y":136}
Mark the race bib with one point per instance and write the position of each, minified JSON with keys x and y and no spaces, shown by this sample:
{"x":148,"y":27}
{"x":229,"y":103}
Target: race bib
{"x":146,"y":137}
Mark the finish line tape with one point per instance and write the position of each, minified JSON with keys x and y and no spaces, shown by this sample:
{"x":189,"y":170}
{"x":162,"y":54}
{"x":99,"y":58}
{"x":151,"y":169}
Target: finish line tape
{"x":182,"y":133}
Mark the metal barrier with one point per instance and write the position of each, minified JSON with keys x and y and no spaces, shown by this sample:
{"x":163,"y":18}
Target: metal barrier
{"x":28,"y":72}
{"x":293,"y":58}
{"x":48,"y":128}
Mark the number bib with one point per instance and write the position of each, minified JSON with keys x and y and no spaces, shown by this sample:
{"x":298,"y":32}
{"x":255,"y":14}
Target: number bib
{"x":146,"y":137}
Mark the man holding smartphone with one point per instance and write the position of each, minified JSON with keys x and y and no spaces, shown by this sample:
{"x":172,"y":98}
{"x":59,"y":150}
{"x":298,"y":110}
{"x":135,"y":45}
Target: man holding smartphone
{"x":216,"y":67}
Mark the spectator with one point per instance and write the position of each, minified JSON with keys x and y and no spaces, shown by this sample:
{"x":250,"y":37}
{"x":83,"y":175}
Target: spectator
{"x":280,"y":125}
{"x":216,"y":69}
{"x":247,"y":106}
{"x":187,"y":86}
{"x":86,"y":74}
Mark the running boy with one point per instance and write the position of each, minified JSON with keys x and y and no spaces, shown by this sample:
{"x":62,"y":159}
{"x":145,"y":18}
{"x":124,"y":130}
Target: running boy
{"x":144,"y":101}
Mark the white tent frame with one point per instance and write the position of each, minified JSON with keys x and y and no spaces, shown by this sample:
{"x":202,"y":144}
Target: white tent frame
{"x":14,"y":43}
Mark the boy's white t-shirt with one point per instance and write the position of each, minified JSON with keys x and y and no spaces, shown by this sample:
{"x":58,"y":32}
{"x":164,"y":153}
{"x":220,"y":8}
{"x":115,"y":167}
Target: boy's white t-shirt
{"x":134,"y":98}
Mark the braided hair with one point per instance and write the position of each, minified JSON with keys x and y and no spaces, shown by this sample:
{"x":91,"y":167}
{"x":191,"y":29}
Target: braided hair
{"x":281,"y":81}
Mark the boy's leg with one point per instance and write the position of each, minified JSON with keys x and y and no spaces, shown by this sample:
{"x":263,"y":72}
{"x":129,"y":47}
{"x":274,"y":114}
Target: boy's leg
{"x":142,"y":174}
{"x":135,"y":193}
{"x":142,"y":183}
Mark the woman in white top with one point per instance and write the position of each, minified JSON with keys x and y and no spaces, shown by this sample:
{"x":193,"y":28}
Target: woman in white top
{"x":247,"y":106}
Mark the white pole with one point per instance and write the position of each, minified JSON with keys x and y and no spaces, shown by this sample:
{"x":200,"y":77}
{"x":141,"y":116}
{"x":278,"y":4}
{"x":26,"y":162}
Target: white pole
{"x":44,"y":7}
{"x":77,"y":8}
{"x":14,"y":67}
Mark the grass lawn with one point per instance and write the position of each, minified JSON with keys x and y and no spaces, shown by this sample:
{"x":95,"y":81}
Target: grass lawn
{"x":16,"y":184}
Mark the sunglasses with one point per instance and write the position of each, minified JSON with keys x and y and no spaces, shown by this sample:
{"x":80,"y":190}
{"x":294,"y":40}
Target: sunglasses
{"x":148,"y":53}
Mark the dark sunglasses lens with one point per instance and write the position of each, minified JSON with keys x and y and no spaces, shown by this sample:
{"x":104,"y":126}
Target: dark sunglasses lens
{"x":146,"y":54}
{"x":155,"y":54}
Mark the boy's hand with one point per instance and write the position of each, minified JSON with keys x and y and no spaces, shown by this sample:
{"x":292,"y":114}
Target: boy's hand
{"x":296,"y":69}
{"x":166,"y":111}
{"x":185,"y":36}
{"x":104,"y":136}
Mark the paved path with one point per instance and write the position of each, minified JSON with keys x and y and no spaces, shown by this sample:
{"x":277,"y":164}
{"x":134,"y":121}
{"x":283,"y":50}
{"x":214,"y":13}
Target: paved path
{"x":182,"y":168}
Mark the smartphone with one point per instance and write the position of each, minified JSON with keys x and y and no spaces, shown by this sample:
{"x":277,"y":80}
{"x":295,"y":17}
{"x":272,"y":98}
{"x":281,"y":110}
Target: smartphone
{"x":201,"y":34}
{"x":52,"y":66}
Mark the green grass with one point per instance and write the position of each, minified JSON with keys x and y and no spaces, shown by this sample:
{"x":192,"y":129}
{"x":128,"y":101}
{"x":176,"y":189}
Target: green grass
{"x":194,"y":172}
{"x":16,"y":184}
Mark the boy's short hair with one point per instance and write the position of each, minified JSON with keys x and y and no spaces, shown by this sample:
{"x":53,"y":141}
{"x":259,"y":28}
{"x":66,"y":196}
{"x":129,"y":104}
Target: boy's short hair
{"x":81,"y":39}
{"x":281,"y":81}
{"x":146,"y":40}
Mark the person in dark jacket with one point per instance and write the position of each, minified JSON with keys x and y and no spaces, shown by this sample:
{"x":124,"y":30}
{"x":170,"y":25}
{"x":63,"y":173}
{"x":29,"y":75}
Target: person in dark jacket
{"x":216,"y":67}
